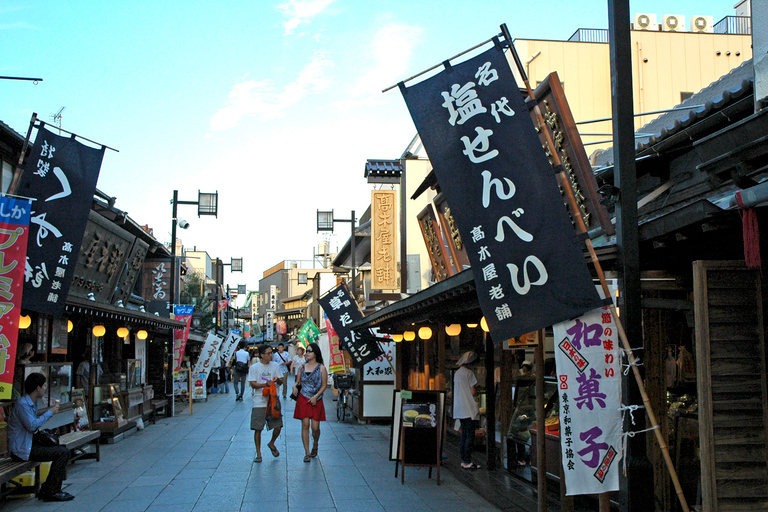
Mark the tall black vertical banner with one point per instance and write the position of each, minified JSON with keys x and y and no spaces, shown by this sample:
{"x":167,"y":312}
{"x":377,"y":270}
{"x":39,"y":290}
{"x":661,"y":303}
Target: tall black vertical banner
{"x":342,"y":310}
{"x":527,"y":262}
{"x":60,"y":176}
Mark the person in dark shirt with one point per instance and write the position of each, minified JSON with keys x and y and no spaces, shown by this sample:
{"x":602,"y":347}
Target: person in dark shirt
{"x":22,"y":424}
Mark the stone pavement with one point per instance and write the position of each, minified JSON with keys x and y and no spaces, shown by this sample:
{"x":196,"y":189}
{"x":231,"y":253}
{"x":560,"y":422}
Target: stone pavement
{"x":204,"y":462}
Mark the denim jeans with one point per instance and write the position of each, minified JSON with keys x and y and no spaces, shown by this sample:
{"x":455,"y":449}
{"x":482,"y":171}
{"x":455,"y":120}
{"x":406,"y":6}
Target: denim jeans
{"x":466,"y":440}
{"x":58,"y":455}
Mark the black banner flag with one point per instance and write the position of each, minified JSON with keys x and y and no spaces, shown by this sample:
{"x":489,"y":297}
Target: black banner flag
{"x":60,"y":176}
{"x":342,"y":310}
{"x":525,"y":255}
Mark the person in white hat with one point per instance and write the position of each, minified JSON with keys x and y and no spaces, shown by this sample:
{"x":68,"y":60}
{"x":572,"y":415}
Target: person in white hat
{"x":465,"y":408}
{"x":526,"y":369}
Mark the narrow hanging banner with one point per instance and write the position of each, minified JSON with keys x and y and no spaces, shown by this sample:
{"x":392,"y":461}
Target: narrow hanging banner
{"x":14,"y":227}
{"x":526,"y":259}
{"x":342,"y":310}
{"x":180,"y":336}
{"x":587,"y":358}
{"x":60,"y":176}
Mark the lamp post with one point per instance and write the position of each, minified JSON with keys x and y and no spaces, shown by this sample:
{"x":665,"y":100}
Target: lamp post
{"x":325,"y":222}
{"x":207,"y":204}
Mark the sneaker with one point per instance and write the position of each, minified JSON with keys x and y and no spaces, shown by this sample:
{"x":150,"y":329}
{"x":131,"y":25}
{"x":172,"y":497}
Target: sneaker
{"x":471,"y":465}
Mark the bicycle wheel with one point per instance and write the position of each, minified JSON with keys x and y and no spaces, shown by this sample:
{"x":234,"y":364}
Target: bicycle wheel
{"x":340,"y":408}
{"x":344,"y":408}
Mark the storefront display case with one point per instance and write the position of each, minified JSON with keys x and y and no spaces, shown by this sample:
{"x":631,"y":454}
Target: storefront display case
{"x":523,"y":429}
{"x":59,"y":382}
{"x":108,"y":412}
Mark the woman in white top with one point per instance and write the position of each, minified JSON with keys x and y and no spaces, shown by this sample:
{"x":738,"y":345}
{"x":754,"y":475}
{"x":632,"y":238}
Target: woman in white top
{"x":298,"y":360}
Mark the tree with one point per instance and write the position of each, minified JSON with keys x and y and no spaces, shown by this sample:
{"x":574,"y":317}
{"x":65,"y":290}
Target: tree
{"x":193,"y":292}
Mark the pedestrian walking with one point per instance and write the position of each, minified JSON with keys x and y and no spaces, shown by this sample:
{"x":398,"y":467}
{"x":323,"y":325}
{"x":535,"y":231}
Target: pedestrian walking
{"x":22,"y":424}
{"x":241,"y":371}
{"x":261,"y":375}
{"x":311,"y":382}
{"x":283,"y":359}
{"x":224,"y":374}
{"x":465,"y":408}
{"x":298,"y":361}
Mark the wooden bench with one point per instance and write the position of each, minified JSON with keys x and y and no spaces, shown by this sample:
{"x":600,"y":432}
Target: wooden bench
{"x":10,"y":469}
{"x":75,"y":440}
{"x":158,"y":405}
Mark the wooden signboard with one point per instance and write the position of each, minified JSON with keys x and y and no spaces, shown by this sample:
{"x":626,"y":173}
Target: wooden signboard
{"x":557,"y":115}
{"x":455,"y":243}
{"x":433,"y":239}
{"x":418,"y":423}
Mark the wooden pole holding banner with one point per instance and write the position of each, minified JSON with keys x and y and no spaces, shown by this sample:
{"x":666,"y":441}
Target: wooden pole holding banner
{"x":582,"y":229}
{"x":18,"y":171}
{"x":541,"y":428}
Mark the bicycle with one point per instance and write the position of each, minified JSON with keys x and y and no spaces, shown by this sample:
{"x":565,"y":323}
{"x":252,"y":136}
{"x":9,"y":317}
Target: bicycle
{"x":342,"y":382}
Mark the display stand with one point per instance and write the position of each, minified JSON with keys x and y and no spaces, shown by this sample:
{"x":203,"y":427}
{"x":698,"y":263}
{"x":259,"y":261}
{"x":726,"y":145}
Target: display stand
{"x":182,"y":386}
{"x":418,"y":424}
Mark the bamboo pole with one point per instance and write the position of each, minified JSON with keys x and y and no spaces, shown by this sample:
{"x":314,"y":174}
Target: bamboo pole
{"x":599,"y":270}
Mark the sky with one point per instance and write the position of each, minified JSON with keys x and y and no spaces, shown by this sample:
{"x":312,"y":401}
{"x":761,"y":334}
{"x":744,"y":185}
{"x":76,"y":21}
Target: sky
{"x":274,"y":104}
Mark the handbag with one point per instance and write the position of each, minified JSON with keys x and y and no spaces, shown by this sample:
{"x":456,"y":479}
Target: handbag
{"x":274,"y":410}
{"x":241,"y":367}
{"x":295,"y":396}
{"x":45,"y":438}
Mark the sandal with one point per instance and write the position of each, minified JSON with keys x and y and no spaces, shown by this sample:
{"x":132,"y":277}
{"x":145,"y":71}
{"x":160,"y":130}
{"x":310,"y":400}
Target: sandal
{"x":257,"y":459}
{"x":274,"y":451}
{"x":307,"y":458}
{"x":313,"y":453}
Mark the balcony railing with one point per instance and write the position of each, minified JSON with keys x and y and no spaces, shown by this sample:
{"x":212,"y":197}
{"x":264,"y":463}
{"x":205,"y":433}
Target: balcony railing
{"x":741,"y":25}
{"x":590,"y":35}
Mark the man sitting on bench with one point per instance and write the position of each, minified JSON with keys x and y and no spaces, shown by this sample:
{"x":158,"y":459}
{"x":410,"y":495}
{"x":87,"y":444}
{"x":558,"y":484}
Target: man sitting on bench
{"x":22,"y":423}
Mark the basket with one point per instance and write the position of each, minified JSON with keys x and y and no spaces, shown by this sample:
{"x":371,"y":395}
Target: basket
{"x":342,"y":380}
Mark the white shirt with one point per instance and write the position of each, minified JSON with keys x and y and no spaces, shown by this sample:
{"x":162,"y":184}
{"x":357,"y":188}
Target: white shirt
{"x":242,"y":356}
{"x":464,"y":405}
{"x":281,"y":358}
{"x":262,"y":373}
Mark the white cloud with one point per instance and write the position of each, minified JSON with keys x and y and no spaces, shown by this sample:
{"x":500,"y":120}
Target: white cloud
{"x":390,"y":53}
{"x":301,"y":11}
{"x":261,"y":99}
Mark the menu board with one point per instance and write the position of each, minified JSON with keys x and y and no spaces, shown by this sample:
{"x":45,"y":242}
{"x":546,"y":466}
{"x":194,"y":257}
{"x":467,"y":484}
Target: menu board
{"x":418,"y":420}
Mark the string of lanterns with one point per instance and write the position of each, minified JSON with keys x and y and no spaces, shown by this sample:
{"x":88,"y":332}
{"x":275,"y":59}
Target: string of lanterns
{"x":425,"y":332}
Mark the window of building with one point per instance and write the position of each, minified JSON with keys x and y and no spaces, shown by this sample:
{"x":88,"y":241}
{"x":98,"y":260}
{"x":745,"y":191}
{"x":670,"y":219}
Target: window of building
{"x":685,"y":95}
{"x":7,"y":176}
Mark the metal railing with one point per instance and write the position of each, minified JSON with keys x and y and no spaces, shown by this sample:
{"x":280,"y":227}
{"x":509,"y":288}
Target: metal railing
{"x":590,"y":35}
{"x":741,"y":25}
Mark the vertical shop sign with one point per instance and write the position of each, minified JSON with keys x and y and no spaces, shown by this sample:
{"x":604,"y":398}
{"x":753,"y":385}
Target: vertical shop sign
{"x":230,"y":344}
{"x":384,"y":239}
{"x":60,"y":177}
{"x":526,"y":259}
{"x":342,"y":310}
{"x":156,"y":285}
{"x":337,"y":358}
{"x":589,"y":384}
{"x":180,"y":336}
{"x":433,"y":240}
{"x":204,"y":364}
{"x":14,"y":229}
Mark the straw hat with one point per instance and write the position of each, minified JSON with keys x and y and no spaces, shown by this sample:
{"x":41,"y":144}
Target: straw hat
{"x":468,"y":357}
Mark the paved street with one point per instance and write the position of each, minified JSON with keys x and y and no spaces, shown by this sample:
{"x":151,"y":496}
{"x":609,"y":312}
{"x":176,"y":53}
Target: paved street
{"x":204,"y":462}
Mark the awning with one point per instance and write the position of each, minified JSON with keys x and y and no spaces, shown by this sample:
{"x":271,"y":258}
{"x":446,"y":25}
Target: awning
{"x":77,"y":305}
{"x":453,"y":300}
{"x":290,"y":312}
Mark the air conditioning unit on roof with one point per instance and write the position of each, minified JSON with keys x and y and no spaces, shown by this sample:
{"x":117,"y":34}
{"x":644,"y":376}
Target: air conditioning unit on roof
{"x":645,"y":21}
{"x":673,"y":23}
{"x":701,"y":23}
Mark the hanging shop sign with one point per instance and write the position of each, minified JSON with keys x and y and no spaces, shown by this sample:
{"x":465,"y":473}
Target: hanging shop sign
{"x":557,"y":115}
{"x":102,"y":260}
{"x":384,"y":240}
{"x":455,"y":244}
{"x":14,"y":230}
{"x":60,"y":176}
{"x":382,"y":368}
{"x":156,"y":284}
{"x":342,"y":310}
{"x":589,"y":383}
{"x":433,"y":239}
{"x":527,"y":263}
{"x":131,"y":271}
{"x":180,"y":336}
{"x":227,"y":348}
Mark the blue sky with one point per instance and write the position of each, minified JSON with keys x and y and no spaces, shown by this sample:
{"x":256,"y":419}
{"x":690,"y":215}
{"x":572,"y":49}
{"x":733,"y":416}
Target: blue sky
{"x":276,"y":105}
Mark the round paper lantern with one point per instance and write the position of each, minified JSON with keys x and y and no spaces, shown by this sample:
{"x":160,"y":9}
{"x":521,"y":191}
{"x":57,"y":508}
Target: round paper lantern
{"x":409,"y":335}
{"x":25,"y":321}
{"x":123,"y":332}
{"x":425,"y":333}
{"x":453,"y":329}
{"x":484,"y":324}
{"x":142,"y":334}
{"x":70,"y":326}
{"x":397,"y":338}
{"x":99,"y":330}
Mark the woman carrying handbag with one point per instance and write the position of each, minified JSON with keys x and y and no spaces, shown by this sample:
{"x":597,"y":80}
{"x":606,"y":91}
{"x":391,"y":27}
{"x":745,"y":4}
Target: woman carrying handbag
{"x":311,"y":382}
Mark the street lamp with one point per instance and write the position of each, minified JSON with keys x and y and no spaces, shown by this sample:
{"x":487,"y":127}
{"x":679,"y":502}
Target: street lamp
{"x":325,"y":221}
{"x":236,"y":265}
{"x":207,"y":204}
